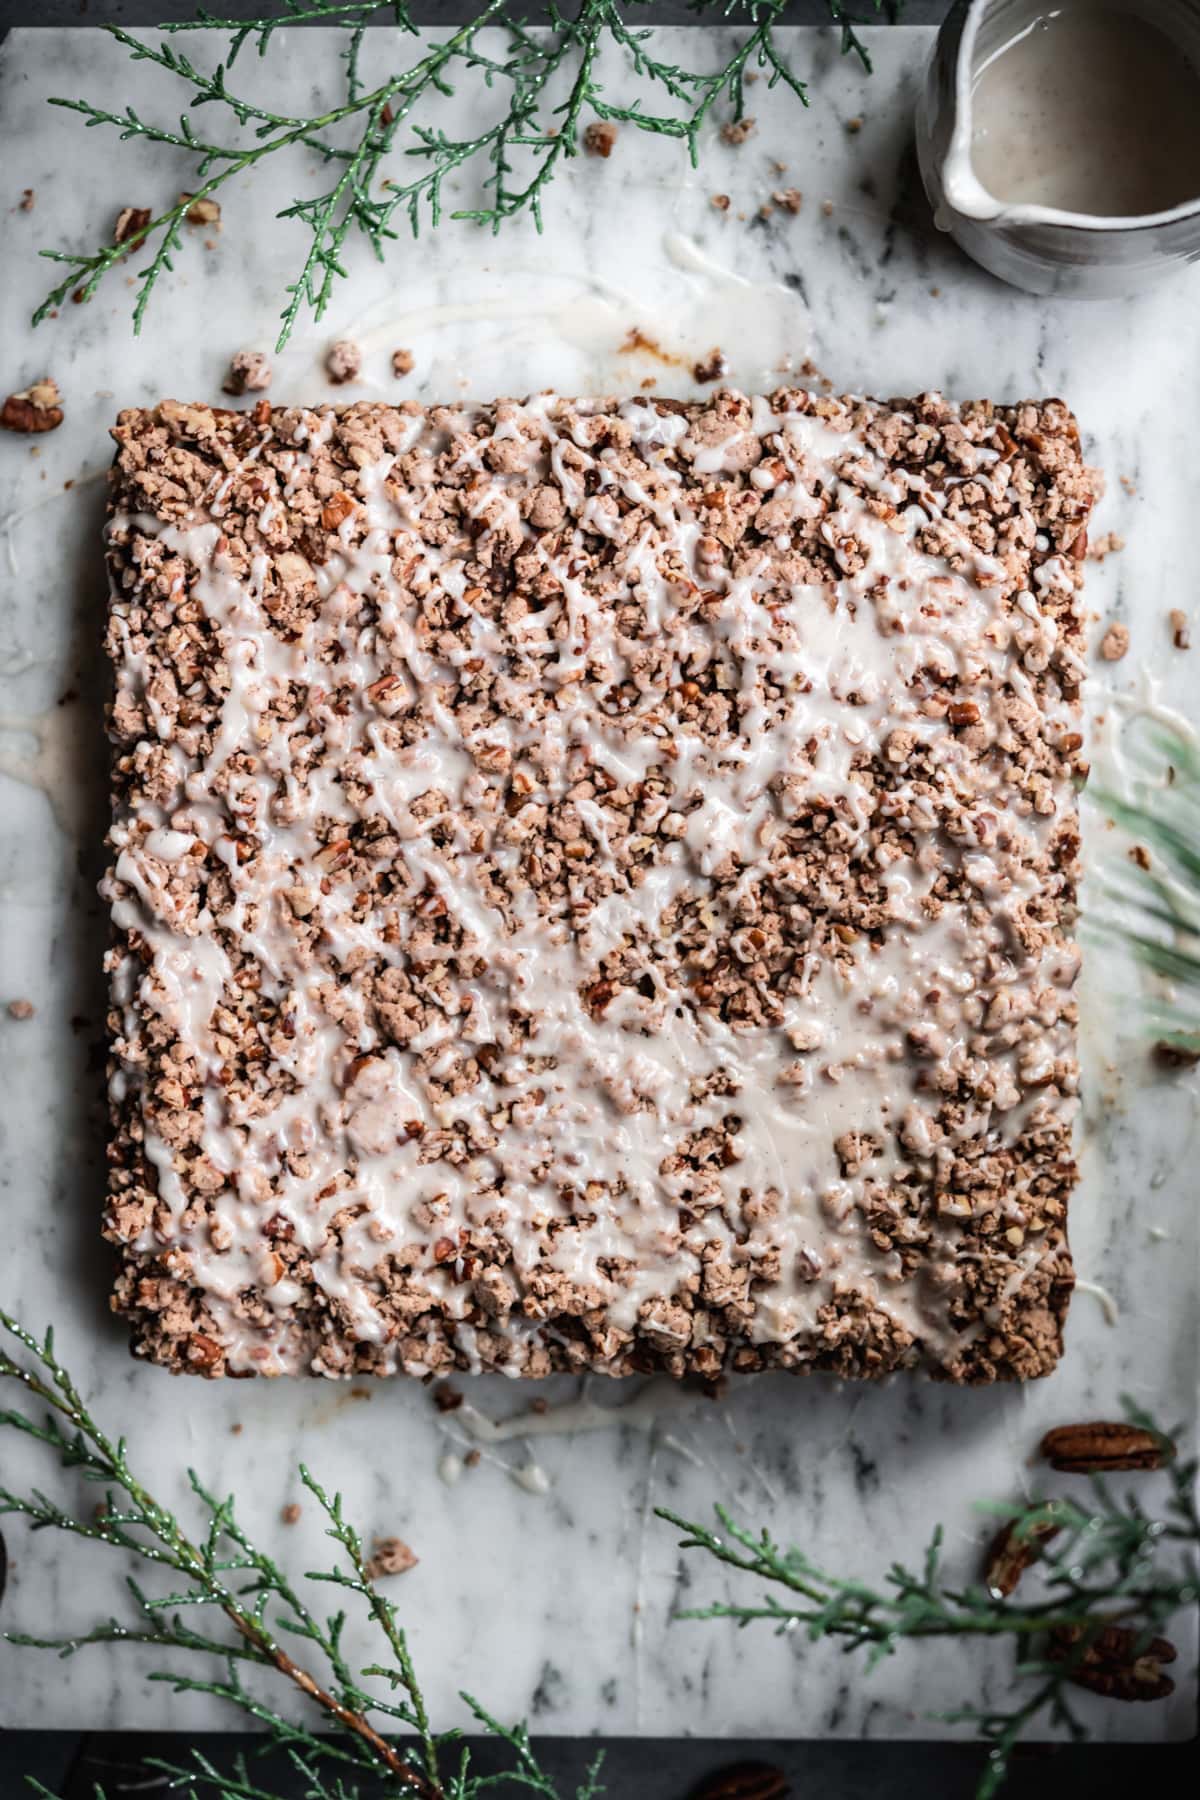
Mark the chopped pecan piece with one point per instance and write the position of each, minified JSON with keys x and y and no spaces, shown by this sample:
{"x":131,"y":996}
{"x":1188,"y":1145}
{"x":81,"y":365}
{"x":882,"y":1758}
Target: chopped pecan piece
{"x":131,"y":224}
{"x":710,"y":367}
{"x":1096,"y":1447}
{"x":203,"y":1352}
{"x":1014,"y":1550}
{"x":35,"y":408}
{"x":392,"y":1556}
{"x":599,"y":138}
{"x":1115,"y":643}
{"x":339,"y":506}
{"x":249,"y":373}
{"x":343,"y":361}
{"x":203,"y":211}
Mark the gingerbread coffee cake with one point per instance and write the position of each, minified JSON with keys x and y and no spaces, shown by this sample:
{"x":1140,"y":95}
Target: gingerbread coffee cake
{"x":593,"y":885}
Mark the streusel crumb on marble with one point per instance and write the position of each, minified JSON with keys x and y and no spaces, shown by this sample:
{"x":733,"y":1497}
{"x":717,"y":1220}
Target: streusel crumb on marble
{"x":593,"y":884}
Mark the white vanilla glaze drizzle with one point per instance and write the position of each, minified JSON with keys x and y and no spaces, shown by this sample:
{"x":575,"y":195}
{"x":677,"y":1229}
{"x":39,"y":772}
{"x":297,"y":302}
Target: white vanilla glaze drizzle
{"x":576,"y":1095}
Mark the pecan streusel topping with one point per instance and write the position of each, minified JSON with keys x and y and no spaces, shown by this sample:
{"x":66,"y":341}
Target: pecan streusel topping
{"x":593,"y":884}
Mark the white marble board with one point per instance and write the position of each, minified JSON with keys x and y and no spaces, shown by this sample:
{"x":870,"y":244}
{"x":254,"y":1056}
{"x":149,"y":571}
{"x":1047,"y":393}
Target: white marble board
{"x":558,"y":1604}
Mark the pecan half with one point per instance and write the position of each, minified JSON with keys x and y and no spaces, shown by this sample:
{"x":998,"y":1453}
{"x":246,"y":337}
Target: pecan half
{"x":1100,"y":1446}
{"x":1012,"y":1551}
{"x":35,"y":408}
{"x":745,"y":1781}
{"x":1118,"y":1662}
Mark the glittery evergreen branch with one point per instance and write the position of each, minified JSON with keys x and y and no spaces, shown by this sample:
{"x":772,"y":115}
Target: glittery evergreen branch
{"x":232,"y":1614}
{"x":388,"y":160}
{"x":1151,"y":902}
{"x":1106,"y":1576}
{"x":1101,"y":1564}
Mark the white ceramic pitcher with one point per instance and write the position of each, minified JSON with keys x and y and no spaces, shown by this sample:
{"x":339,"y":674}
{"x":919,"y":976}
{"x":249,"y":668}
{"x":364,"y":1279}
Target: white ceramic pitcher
{"x":1039,"y":248}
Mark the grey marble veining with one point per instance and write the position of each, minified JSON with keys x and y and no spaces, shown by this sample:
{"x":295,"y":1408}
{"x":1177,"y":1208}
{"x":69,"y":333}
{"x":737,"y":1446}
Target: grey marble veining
{"x":559,"y":1604}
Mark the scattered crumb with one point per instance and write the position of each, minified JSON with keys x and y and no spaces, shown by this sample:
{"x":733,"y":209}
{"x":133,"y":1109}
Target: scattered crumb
{"x":711,"y":367}
{"x":750,"y":77}
{"x":765,"y":210}
{"x":1106,"y":545}
{"x":20,"y":1009}
{"x":936,"y":293}
{"x":1176,"y":1056}
{"x":1181,"y":636}
{"x":249,"y":372}
{"x":343,"y":361}
{"x":403,"y":362}
{"x":447,"y":1398}
{"x":472,"y":1459}
{"x":599,"y":138}
{"x":780,"y":168}
{"x":1128,"y":484}
{"x":648,"y":381}
{"x":35,"y":408}
{"x":827,"y":208}
{"x":1140,"y":855}
{"x":26,"y":202}
{"x":290,"y":1513}
{"x":203,"y":211}
{"x":854,"y":125}
{"x":736,"y":131}
{"x":721,"y":202}
{"x":237,"y":1430}
{"x":1114,"y":643}
{"x":131,"y":224}
{"x":392,"y":1556}
{"x":790,"y":199}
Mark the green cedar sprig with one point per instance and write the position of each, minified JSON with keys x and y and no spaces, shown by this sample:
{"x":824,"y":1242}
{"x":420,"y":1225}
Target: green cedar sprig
{"x":393,"y":123}
{"x":230,"y":1612}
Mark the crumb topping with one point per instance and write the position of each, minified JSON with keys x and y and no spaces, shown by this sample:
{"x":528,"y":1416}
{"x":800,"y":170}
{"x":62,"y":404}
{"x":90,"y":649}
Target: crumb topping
{"x":593,"y":884}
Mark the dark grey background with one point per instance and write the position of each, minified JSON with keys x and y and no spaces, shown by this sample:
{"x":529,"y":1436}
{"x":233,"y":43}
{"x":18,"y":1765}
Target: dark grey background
{"x":151,"y":12}
{"x":70,"y":1764}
